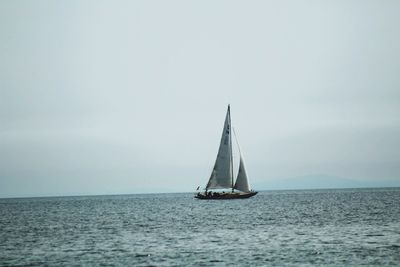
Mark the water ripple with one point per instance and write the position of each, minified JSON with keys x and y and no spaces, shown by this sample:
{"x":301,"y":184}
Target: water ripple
{"x":275,"y":228}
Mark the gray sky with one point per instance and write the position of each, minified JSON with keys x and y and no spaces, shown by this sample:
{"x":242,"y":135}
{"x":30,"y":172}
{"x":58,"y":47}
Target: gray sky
{"x":101,"y":97}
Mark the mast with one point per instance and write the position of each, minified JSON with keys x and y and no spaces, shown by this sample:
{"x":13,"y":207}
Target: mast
{"x":230,"y":144}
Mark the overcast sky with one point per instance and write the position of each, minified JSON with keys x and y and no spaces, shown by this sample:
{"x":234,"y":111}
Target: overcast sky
{"x":108,"y":97}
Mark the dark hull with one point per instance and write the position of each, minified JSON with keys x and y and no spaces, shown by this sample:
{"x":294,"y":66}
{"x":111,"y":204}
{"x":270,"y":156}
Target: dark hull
{"x":226,"y":196}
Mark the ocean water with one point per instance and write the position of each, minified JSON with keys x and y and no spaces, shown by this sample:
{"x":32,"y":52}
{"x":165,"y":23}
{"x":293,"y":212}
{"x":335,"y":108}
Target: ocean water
{"x":351,"y":227}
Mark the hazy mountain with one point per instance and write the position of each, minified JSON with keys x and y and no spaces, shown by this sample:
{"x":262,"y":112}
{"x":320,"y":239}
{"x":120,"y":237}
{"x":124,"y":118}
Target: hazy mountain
{"x":321,"y":181}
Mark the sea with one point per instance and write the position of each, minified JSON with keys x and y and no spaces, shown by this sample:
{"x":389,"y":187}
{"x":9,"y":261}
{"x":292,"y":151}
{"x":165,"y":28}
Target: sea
{"x":342,"y":227}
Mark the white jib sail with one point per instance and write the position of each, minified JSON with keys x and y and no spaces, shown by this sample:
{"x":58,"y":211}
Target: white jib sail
{"x":221,"y":176}
{"x":242,"y":183}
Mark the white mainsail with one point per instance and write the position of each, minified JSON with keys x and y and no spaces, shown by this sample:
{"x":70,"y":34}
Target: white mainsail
{"x":222,"y":176}
{"x":242,"y":183}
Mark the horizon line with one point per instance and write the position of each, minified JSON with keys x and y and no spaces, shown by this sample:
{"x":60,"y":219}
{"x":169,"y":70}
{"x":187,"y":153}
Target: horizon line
{"x":191,"y":192}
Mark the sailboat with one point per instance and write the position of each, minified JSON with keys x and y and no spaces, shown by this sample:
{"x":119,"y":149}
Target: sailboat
{"x":222,"y":176}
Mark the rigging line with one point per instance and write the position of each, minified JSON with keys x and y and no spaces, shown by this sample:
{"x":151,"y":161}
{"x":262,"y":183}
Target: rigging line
{"x":237,"y":142}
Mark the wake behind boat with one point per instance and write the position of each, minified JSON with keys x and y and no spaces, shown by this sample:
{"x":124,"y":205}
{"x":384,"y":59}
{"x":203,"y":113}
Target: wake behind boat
{"x":222,"y":174}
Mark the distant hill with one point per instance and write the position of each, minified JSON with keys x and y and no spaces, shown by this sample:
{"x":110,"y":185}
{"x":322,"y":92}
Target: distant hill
{"x":321,"y":181}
